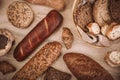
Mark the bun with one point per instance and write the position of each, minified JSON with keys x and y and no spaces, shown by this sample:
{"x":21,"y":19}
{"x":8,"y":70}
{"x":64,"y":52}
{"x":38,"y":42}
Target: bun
{"x":20,"y":14}
{"x":113,"y":58}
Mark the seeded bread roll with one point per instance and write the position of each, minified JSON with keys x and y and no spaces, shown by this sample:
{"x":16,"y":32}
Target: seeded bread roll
{"x":6,"y":41}
{"x":38,"y":64}
{"x":85,"y":68}
{"x":113,"y":58}
{"x":56,"y":4}
{"x":20,"y":14}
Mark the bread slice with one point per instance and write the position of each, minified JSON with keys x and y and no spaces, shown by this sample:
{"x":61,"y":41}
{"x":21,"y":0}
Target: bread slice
{"x":54,"y":74}
{"x":85,"y":68}
{"x":38,"y":64}
{"x":114,"y":32}
{"x":93,"y":28}
{"x":113,"y":58}
{"x":83,"y":15}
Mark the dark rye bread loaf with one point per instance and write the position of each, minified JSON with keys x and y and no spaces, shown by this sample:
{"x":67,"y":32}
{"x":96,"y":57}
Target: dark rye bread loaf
{"x":83,"y":15}
{"x":54,"y":74}
{"x":40,"y":62}
{"x":114,"y":9}
{"x":84,"y":68}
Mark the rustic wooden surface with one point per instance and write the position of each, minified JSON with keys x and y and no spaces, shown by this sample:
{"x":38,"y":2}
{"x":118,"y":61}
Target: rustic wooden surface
{"x":78,"y":45}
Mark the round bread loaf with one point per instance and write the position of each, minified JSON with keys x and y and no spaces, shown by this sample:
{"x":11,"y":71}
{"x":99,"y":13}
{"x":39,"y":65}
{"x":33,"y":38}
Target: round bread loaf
{"x":20,"y":14}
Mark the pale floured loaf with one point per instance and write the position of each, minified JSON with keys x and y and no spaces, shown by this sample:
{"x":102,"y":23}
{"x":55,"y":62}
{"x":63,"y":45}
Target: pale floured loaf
{"x":20,"y":14}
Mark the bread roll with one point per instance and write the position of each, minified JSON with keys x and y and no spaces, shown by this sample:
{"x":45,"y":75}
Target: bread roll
{"x":38,"y":64}
{"x":113,"y":58}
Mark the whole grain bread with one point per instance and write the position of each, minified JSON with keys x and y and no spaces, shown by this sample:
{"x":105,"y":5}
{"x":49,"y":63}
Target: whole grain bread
{"x":40,"y":62}
{"x":54,"y":74}
{"x":85,"y":68}
{"x":114,"y":8}
{"x":83,"y":15}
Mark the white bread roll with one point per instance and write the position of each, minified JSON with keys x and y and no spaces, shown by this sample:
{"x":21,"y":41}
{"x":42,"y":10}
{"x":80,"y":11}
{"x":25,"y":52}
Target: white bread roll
{"x":114,"y":32}
{"x":113,"y":58}
{"x":93,"y":28}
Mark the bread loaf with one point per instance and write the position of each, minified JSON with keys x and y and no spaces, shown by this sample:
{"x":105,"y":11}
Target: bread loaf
{"x":84,"y":68}
{"x":40,"y":62}
{"x":83,"y":15}
{"x":114,"y":32}
{"x":38,"y":34}
{"x":56,"y":4}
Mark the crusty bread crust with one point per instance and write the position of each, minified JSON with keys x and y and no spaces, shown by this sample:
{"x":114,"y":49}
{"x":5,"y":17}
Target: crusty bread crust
{"x":83,"y":15}
{"x":84,"y":68}
{"x":40,"y":62}
{"x":101,"y":12}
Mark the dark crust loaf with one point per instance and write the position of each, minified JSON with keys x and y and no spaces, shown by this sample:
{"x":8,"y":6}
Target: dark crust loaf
{"x":40,"y":62}
{"x":38,"y":34}
{"x":84,"y":68}
{"x":84,"y":15}
{"x":6,"y":67}
{"x":54,"y":74}
{"x":114,"y":8}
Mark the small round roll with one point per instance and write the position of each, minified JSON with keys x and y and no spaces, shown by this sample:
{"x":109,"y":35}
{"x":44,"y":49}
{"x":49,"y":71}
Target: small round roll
{"x":113,"y":58}
{"x":93,"y":28}
{"x":6,"y":40}
{"x":114,"y":32}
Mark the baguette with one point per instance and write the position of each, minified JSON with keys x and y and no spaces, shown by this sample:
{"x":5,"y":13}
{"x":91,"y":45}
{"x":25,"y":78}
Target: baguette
{"x":57,"y":4}
{"x":40,"y":62}
{"x":84,"y":68}
{"x":38,"y":34}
